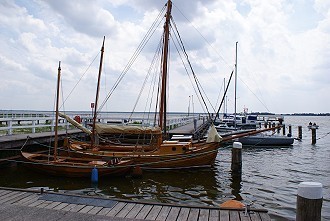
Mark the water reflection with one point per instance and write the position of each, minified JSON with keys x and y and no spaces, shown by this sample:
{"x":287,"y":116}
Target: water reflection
{"x":198,"y":187}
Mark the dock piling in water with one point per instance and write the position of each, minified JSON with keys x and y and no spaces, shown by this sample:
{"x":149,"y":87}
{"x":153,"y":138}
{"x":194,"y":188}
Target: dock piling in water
{"x":313,"y":136}
{"x":300,"y":132}
{"x":290,"y":131}
{"x":309,"y":201}
{"x":236,"y":157}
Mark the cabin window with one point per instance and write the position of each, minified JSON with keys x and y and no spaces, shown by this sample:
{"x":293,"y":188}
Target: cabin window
{"x":174,"y":148}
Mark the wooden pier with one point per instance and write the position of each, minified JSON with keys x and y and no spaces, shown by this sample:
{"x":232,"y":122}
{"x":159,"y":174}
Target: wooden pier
{"x":18,"y":140}
{"x":22,"y":204}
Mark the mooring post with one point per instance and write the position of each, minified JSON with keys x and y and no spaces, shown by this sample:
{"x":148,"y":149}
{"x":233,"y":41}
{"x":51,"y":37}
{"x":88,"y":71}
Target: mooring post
{"x":313,"y":135}
{"x":309,"y":201}
{"x":236,"y":157}
{"x":300,"y":132}
{"x":290,"y":131}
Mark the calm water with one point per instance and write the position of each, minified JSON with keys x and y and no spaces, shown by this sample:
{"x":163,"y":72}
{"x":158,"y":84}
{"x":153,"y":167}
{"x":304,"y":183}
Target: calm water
{"x":269,"y":179}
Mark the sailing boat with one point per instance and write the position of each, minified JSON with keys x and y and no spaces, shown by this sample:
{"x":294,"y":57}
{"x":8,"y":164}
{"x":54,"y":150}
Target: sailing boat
{"x":68,"y":166}
{"x":163,"y":153}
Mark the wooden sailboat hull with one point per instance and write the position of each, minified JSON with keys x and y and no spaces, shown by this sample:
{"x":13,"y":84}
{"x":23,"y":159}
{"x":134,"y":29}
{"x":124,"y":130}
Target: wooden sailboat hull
{"x":173,"y":156}
{"x":73,"y":167}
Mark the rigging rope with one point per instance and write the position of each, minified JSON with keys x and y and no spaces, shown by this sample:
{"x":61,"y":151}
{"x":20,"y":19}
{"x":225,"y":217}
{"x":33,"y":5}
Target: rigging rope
{"x":194,"y":75}
{"x":80,"y":79}
{"x":142,"y":44}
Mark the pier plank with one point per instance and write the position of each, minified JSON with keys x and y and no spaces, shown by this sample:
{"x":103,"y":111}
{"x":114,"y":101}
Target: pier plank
{"x":28,"y":200}
{"x":224,"y":215}
{"x":36,"y":203}
{"x":134,"y":211}
{"x":86,"y":209}
{"x":7,"y":194}
{"x":44,"y":204}
{"x":95,"y":210}
{"x":234,"y":215}
{"x":18,"y":197}
{"x":193,"y":214}
{"x":60,"y":206}
{"x":203,"y":214}
{"x":104,"y":211}
{"x":76,"y":208}
{"x":154,"y":212}
{"x":254,"y":216}
{"x":68,"y":207}
{"x":214,"y":215}
{"x":52,"y":205}
{"x":163,"y":213}
{"x":264,"y":217}
{"x":184,"y":213}
{"x":116,"y":209}
{"x":124,"y":211}
{"x":2,"y":192}
{"x":144,"y":212}
{"x":10,"y":196}
{"x":243,"y":216}
{"x":173,"y":214}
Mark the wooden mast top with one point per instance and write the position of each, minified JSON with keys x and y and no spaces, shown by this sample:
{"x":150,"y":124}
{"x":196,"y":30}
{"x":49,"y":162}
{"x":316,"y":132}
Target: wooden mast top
{"x":162,"y":109}
{"x":97,"y":95}
{"x":56,"y":112}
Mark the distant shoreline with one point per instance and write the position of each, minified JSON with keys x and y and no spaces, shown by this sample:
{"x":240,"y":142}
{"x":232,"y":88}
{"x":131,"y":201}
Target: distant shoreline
{"x":174,"y":112}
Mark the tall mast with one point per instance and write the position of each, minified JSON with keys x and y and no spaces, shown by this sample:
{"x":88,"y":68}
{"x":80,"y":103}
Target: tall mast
{"x":162,"y":106}
{"x":224,"y":94}
{"x":97,"y":94}
{"x":56,"y":112}
{"x":235,"y":85}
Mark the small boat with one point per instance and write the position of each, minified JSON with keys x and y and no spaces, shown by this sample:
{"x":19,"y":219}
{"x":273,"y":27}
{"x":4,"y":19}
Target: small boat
{"x":312,"y":126}
{"x":55,"y":164}
{"x":75,"y":167}
{"x":263,"y":139}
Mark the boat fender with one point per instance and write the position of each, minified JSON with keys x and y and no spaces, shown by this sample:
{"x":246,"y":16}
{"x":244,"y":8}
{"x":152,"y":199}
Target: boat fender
{"x":95,"y":175}
{"x":77,"y":118}
{"x":232,"y":204}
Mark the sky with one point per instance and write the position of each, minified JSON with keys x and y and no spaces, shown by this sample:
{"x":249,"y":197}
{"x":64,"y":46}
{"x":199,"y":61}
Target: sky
{"x":283,"y":54}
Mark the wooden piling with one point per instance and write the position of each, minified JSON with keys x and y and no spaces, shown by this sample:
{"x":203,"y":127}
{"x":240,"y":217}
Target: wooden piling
{"x":290,"y":131}
{"x":309,"y":201}
{"x":236,"y":157}
{"x":300,"y":132}
{"x":313,"y":135}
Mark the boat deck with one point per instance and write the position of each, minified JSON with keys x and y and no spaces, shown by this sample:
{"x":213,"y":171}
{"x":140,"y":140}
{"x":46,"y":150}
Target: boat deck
{"x":19,"y":204}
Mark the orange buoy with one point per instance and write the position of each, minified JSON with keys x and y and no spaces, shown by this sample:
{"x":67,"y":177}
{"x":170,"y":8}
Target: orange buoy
{"x":232,"y":204}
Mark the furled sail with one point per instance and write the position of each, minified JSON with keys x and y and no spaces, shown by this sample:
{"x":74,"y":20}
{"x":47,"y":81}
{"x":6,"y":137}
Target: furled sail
{"x":126,"y":129}
{"x":75,"y":123}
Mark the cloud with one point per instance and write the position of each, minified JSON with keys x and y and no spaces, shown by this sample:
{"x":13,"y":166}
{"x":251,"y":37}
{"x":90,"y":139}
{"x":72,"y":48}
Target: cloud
{"x":283,"y":48}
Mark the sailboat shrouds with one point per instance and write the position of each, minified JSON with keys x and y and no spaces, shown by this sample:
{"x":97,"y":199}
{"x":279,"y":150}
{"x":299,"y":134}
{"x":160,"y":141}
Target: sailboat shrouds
{"x":60,"y":165}
{"x":159,"y":153}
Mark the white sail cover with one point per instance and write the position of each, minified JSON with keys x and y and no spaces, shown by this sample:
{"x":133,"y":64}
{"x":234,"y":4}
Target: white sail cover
{"x":126,"y":129}
{"x":213,"y":135}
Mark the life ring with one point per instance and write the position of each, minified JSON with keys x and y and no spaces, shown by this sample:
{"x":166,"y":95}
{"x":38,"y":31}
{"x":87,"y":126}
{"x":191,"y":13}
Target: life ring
{"x":77,"y":118}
